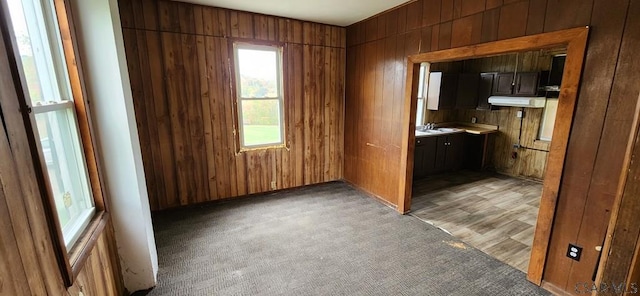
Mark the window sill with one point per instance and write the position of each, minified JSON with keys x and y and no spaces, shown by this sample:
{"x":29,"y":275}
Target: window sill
{"x":86,"y":243}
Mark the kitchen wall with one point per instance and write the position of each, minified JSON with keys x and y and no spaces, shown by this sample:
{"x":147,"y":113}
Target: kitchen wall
{"x":530,"y":162}
{"x":179,"y":65}
{"x":376,"y":71}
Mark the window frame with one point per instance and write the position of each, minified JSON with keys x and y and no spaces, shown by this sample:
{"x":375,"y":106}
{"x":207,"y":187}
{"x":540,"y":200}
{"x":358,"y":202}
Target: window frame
{"x":279,"y":48}
{"x":70,"y":261}
{"x":543,"y":120}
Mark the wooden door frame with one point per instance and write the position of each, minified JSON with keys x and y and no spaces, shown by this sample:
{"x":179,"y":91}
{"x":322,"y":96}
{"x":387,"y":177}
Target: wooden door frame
{"x":575,"y":40}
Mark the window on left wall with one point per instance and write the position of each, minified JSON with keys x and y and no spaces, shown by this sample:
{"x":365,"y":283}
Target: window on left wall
{"x":52,"y":107}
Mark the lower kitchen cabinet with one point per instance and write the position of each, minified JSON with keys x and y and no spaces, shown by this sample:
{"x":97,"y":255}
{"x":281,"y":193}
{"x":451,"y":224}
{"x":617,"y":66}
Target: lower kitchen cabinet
{"x":449,"y":153}
{"x":424,"y":156}
{"x":437,"y":154}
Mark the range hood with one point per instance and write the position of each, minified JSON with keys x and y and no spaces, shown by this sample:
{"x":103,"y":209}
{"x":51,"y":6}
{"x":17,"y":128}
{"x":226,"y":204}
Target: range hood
{"x":527,"y":102}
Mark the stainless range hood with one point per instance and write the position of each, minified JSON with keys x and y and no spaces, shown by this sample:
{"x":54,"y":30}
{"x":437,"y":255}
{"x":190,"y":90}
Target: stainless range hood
{"x":526,"y":102}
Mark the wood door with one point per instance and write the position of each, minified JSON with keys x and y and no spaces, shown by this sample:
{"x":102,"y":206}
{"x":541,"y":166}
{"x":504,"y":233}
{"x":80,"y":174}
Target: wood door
{"x":485,"y":88}
{"x":454,"y":155}
{"x":502,"y":84}
{"x":467,"y":91}
{"x":526,"y":84}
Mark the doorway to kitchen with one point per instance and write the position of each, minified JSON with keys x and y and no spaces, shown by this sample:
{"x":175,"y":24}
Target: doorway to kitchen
{"x":574,"y":40}
{"x":479,"y":166}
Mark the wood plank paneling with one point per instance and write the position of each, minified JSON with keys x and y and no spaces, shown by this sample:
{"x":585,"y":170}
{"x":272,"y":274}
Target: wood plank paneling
{"x":584,"y":198}
{"x":598,"y":77}
{"x":184,"y":103}
{"x":466,"y":31}
{"x":564,"y":14}
{"x":513,"y":20}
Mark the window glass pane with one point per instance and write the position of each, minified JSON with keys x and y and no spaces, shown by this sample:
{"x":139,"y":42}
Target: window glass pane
{"x":548,"y":119}
{"x":37,"y":53}
{"x":261,"y":122}
{"x":420,"y":112}
{"x":258,"y":73}
{"x":66,"y":170}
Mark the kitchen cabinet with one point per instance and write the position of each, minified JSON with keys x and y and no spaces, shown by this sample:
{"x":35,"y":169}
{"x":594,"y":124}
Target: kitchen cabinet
{"x":526,"y":84}
{"x":424,"y":156}
{"x":485,"y":90}
{"x":449,"y":152}
{"x":502,"y":84}
{"x":467,"y":91}
{"x":441,"y":93}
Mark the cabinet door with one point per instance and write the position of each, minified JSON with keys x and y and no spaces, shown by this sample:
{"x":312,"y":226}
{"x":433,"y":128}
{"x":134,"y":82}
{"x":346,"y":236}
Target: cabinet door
{"x":455,"y":152}
{"x":485,"y":88}
{"x":418,"y":159}
{"x":429,"y":158}
{"x":502,"y":84}
{"x":448,"y":88}
{"x":467,"y":92}
{"x":526,"y":84}
{"x":441,"y":154}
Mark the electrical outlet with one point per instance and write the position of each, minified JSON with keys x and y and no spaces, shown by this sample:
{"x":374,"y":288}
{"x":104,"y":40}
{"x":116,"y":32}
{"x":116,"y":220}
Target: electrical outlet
{"x":474,"y":120}
{"x":519,"y":114}
{"x":574,"y":252}
{"x":273,"y":185}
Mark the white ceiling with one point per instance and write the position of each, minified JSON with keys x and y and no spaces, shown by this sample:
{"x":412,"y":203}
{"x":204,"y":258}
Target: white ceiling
{"x":333,"y":12}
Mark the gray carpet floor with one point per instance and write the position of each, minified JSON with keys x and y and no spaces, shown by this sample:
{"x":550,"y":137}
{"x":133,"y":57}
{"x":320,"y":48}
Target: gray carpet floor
{"x":328,"y":239}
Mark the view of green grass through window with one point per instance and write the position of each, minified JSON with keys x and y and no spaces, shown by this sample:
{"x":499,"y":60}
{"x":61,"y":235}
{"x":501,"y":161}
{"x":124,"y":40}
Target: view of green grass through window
{"x":259,"y":72}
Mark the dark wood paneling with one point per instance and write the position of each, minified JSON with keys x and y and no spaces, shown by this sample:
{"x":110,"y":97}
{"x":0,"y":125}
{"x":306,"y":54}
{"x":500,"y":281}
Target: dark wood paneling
{"x":490,"y":22}
{"x":466,"y":31}
{"x":469,"y":7}
{"x":491,"y":4}
{"x":444,"y":40}
{"x":414,"y":15}
{"x":184,"y":106}
{"x":535,"y":18}
{"x":563,"y":14}
{"x":513,"y":20}
{"x":431,"y":12}
{"x":584,"y":198}
{"x":597,"y":81}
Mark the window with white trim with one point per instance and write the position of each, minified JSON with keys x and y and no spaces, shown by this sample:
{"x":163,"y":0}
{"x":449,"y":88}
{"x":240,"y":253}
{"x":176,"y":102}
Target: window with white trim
{"x":422,"y":95}
{"x":260,"y":105}
{"x":43,"y":65}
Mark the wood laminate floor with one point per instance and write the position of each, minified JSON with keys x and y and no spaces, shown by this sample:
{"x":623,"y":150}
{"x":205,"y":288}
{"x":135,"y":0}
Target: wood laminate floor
{"x":491,"y":212}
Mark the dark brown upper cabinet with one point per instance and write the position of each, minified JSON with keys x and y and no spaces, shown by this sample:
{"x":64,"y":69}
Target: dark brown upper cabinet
{"x":467,"y":95}
{"x":485,"y":90}
{"x":526,"y":84}
{"x":502,"y":85}
{"x":442,"y":90}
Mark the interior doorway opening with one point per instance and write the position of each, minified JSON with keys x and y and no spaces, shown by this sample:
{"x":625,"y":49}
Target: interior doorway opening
{"x":574,"y":40}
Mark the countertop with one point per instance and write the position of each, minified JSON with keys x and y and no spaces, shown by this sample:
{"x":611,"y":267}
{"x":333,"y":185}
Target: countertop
{"x":457,"y":127}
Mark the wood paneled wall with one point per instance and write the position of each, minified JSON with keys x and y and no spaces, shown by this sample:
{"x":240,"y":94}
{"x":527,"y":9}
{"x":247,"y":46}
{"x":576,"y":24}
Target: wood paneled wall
{"x":29,"y":265}
{"x":376,"y":62}
{"x":179,"y":59}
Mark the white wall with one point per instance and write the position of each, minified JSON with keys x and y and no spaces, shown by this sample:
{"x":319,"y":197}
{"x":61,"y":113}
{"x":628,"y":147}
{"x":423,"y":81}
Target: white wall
{"x":102,"y":54}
